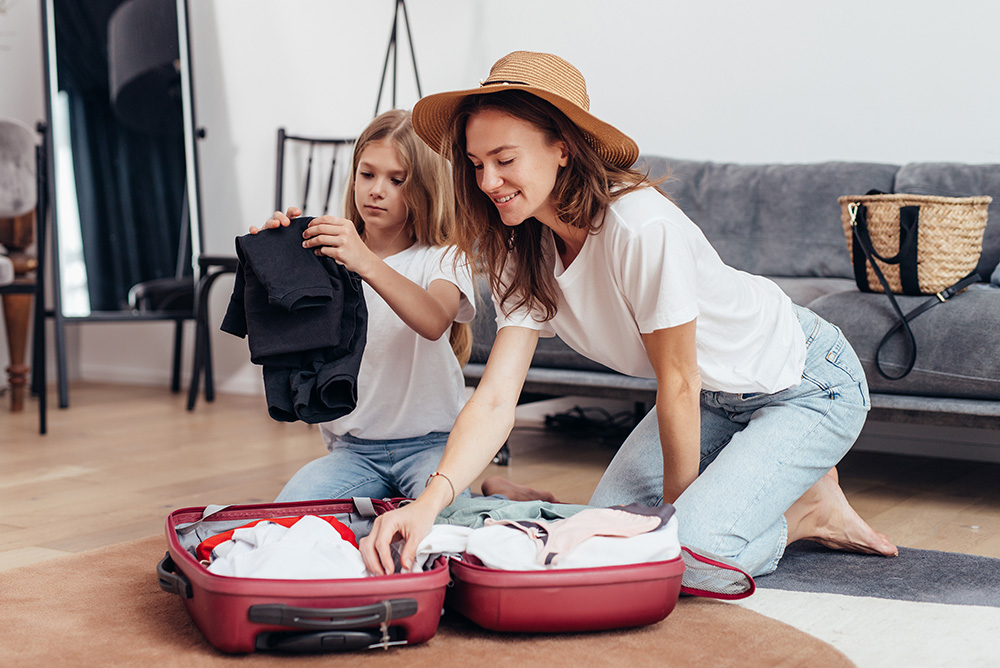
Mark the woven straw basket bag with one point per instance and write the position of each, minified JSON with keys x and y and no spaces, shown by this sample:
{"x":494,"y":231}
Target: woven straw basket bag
{"x":949,"y":238}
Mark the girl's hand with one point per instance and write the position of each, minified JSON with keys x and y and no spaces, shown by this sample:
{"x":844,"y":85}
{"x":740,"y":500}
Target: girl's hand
{"x":411,"y":523}
{"x":278,"y":219}
{"x":338,"y":238}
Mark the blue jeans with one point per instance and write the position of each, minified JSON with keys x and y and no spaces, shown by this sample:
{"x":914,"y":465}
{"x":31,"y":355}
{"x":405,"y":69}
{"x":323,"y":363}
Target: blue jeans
{"x":759,"y":454}
{"x":377,"y":469}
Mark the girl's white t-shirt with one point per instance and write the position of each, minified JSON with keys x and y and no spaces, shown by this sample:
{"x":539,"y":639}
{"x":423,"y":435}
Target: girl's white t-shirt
{"x":650,"y":267}
{"x":408,"y":386}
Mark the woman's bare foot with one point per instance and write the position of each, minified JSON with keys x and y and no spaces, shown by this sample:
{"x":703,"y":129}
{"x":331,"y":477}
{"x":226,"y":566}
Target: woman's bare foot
{"x":824,"y":515}
{"x":499,"y":485}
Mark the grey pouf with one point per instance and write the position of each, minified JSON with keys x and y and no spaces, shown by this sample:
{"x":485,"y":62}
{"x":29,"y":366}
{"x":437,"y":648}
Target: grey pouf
{"x":17,"y":169}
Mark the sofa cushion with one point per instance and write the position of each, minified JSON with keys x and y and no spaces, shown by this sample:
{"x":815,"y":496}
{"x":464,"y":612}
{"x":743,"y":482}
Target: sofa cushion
{"x":948,"y":179}
{"x":958,"y":352}
{"x":802,"y":291}
{"x":776,"y":220}
{"x":551,"y":352}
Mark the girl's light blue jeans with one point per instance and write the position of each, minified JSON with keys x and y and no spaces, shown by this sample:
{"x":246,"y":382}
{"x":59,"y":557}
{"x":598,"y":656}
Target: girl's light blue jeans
{"x":374,"y":468}
{"x":759,"y":454}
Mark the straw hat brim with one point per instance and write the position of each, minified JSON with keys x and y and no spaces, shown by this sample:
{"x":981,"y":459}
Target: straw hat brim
{"x":433,"y":114}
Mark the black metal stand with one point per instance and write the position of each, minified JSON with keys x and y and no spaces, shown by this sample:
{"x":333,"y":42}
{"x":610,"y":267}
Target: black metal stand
{"x":392,"y":50}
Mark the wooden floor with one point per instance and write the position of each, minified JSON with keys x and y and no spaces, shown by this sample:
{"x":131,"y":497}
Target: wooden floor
{"x":115,"y":464}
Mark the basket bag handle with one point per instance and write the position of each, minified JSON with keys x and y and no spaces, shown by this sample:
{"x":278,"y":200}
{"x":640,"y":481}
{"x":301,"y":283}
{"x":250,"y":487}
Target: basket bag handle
{"x":906,"y":257}
{"x":859,"y":226}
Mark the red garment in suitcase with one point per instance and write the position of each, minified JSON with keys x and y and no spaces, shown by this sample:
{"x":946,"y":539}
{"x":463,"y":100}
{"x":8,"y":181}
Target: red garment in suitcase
{"x":241,"y":615}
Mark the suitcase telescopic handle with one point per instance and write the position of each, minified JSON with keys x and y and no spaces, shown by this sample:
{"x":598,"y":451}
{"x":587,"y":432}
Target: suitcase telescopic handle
{"x":383,"y":612}
{"x":171,"y":581}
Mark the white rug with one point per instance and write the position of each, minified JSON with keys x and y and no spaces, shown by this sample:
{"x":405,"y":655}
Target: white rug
{"x":886,"y":633}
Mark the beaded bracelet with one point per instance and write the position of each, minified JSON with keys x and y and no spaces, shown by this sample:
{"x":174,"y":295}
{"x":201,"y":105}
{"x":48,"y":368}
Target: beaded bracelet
{"x":450,"y":484}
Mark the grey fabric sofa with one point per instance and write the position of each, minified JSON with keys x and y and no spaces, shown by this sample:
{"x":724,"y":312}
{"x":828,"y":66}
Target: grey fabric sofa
{"x":783,"y":222}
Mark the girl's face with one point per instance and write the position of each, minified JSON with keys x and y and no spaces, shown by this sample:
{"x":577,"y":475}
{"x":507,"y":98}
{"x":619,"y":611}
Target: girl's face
{"x":378,"y":188}
{"x":516,"y":165}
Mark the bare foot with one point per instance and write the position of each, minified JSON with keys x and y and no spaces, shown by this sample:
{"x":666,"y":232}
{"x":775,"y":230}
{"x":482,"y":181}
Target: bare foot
{"x":499,"y":485}
{"x":824,"y":515}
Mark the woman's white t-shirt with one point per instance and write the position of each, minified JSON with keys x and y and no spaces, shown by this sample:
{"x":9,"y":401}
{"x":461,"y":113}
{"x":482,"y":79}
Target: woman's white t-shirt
{"x":408,"y":386}
{"x":650,"y":267}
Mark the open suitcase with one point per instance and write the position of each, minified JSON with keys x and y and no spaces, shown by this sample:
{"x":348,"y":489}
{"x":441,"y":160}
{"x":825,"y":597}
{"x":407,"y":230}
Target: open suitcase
{"x":588,"y":599}
{"x":241,"y":615}
{"x":577,"y":599}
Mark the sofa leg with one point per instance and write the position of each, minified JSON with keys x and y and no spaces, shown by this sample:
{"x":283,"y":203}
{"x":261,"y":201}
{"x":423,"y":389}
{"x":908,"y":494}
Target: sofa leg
{"x":502,"y":457}
{"x":640,"y":412}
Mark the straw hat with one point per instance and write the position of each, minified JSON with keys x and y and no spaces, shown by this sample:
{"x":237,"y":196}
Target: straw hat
{"x":543,"y":74}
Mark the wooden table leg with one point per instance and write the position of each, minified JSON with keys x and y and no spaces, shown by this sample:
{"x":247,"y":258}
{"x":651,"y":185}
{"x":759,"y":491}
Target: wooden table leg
{"x":17,"y":314}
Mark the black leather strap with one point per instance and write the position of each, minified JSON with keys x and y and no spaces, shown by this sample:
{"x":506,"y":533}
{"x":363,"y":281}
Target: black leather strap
{"x":904,"y":320}
{"x":906,"y":257}
{"x":939,"y":298}
{"x":909,"y":222}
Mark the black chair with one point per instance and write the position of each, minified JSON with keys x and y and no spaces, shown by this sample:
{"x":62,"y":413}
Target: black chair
{"x":318,"y":151}
{"x":210,"y":268}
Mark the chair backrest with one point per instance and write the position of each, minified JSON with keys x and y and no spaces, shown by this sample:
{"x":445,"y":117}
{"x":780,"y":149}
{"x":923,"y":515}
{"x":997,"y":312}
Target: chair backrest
{"x":18,"y":189}
{"x":311,"y":173}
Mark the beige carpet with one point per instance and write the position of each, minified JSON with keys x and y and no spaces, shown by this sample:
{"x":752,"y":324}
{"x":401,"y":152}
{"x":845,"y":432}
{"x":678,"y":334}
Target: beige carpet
{"x":105,"y":608}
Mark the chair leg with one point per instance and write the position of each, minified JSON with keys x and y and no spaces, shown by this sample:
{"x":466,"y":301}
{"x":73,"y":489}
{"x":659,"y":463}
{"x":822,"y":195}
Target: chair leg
{"x":175,"y":374}
{"x":62,"y":377}
{"x":200,"y":334}
{"x":206,"y":362}
{"x":38,"y":364}
{"x":195,"y":369}
{"x":206,"y":344}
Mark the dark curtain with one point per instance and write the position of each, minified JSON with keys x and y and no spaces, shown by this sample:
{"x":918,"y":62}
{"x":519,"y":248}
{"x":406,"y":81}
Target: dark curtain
{"x":130,"y":184}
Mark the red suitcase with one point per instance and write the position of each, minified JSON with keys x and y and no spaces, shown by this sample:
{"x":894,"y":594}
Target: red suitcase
{"x":589,"y":599}
{"x":241,"y":615}
{"x":577,"y":599}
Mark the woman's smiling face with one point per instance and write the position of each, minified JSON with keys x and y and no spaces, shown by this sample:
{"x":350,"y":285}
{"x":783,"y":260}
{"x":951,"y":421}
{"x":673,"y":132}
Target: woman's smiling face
{"x":516,"y":165}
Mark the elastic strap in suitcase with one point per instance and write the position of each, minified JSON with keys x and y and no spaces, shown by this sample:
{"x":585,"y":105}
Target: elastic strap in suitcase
{"x":713,"y":576}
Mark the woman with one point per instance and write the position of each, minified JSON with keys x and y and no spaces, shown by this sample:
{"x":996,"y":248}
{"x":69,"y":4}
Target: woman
{"x":757,"y":399}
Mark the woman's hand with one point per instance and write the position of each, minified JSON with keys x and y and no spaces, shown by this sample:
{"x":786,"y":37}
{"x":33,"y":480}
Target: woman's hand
{"x":411,"y":523}
{"x":338,"y":238}
{"x":278,"y":219}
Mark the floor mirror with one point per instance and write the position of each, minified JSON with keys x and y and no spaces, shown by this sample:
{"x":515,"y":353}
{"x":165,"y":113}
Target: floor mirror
{"x":123,"y":166}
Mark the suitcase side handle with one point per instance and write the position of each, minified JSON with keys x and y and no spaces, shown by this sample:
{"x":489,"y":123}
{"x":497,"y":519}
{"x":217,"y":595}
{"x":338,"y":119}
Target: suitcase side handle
{"x":383,"y":612}
{"x":172,"y":581}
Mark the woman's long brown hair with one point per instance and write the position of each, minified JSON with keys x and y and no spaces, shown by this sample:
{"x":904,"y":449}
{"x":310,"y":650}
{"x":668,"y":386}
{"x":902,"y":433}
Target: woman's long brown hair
{"x":583,"y":190}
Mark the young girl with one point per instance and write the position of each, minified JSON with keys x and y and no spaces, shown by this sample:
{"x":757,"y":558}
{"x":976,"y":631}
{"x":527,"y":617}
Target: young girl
{"x":757,"y":399}
{"x":419,"y":294}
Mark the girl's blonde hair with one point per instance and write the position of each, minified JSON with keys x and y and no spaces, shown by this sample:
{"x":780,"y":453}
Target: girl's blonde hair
{"x":427,"y":193}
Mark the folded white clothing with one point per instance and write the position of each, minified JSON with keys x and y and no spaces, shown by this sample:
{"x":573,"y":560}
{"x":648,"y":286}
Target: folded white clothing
{"x":553,"y":539}
{"x":311,"y":549}
{"x":503,"y":547}
{"x":443,"y":539}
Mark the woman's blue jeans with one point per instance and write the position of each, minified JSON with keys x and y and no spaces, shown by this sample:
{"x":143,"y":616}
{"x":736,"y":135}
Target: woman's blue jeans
{"x":759,"y":454}
{"x":377,"y":469}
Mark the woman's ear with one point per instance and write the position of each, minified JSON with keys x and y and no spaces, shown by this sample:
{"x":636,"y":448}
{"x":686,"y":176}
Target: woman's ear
{"x":564,"y":153}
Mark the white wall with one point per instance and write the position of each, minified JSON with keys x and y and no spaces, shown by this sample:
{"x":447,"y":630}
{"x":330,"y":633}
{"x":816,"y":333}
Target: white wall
{"x":768,"y":81}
